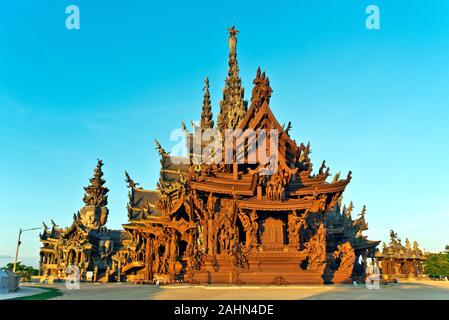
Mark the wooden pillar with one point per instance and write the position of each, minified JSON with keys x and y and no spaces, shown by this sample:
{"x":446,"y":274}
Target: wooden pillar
{"x":235,"y":170}
{"x":259,"y":192}
{"x":148,"y":261}
{"x":172,"y":256}
{"x":210,"y":242}
{"x":119,"y":270}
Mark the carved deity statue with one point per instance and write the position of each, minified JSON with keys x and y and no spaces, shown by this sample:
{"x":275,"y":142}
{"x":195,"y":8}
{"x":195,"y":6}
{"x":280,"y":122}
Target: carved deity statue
{"x":394,"y":238}
{"x":345,"y":254}
{"x":93,"y":217}
{"x":232,"y":40}
{"x":316,"y":249}
{"x":408,"y":246}
{"x":416,"y":246}
{"x":254,"y":227}
{"x":295,"y":224}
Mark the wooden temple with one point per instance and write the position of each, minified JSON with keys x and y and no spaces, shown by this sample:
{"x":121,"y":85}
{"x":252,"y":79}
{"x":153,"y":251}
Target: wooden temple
{"x":234,"y":223}
{"x":398,"y":261}
{"x":87,"y":243}
{"x":255,"y":219}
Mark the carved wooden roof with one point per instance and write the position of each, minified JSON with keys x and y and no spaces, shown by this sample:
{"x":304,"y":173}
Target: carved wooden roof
{"x":267,"y":205}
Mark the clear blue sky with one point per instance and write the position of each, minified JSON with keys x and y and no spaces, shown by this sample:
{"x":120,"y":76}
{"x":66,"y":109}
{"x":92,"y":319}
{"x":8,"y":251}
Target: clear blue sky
{"x":372,"y":101}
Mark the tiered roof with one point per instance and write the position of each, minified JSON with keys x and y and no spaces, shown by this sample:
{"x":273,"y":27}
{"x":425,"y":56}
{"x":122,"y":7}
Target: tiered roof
{"x":396,"y":250}
{"x":96,"y":193}
{"x":302,"y":187}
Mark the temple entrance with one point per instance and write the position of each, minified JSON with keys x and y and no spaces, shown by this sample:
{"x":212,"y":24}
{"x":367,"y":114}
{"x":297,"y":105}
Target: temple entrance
{"x":182,"y":247}
{"x":272,"y":231}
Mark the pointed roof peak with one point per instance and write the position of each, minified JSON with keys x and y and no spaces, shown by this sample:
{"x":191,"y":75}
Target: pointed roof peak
{"x":261,"y":90}
{"x":207,"y":121}
{"x":233,"y":106}
{"x":160,"y":149}
{"x":96,"y":193}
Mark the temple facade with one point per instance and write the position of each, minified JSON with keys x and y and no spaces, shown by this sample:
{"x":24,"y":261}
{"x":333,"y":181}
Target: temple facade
{"x":398,"y":261}
{"x":255,"y":213}
{"x":87,"y":244}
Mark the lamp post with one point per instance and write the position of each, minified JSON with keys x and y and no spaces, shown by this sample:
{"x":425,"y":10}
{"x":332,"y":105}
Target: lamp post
{"x":18,"y":245}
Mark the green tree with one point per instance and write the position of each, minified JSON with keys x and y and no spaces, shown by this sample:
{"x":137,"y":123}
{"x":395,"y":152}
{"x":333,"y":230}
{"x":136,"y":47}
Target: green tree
{"x":437,"y":264}
{"x":25,"y":272}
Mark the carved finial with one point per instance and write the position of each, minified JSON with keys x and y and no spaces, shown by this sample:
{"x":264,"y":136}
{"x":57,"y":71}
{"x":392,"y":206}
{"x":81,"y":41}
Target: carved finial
{"x":340,"y":201}
{"x":407,"y":244}
{"x":261,"y":90}
{"x":96,"y":193}
{"x":183,"y":126}
{"x":159,"y":148}
{"x":289,"y":127}
{"x":206,"y":113}
{"x":232,"y":106}
{"x":232,"y":40}
{"x":349,"y":210}
{"x":129,"y":181}
{"x":323,"y":166}
{"x":349,"y":177}
{"x":164,"y":182}
{"x":233,"y":32}
{"x":394,"y":237}
{"x":336,"y":177}
{"x":363,"y":212}
{"x":416,"y":246}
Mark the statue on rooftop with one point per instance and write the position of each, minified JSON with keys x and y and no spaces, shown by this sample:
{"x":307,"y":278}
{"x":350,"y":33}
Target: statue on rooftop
{"x":232,"y":39}
{"x":407,"y":244}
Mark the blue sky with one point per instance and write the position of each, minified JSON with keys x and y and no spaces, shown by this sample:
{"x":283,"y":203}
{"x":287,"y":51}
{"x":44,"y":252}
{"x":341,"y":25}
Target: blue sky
{"x":372,"y":101}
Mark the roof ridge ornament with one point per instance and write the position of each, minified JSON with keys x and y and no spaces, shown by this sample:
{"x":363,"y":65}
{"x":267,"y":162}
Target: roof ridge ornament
{"x":232,"y":41}
{"x":261,"y":90}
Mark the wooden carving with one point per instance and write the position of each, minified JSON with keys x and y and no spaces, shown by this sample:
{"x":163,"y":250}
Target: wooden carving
{"x":316,"y":249}
{"x":262,"y":220}
{"x":346,"y":256}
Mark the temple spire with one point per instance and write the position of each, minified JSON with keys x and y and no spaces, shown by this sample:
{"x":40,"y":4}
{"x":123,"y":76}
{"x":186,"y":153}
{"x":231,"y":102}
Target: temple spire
{"x":206,"y":114}
{"x":232,"y":106}
{"x":96,"y":193}
{"x":163,"y":184}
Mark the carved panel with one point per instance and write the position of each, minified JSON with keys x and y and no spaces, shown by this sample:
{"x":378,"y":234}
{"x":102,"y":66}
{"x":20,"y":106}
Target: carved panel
{"x":272,"y":233}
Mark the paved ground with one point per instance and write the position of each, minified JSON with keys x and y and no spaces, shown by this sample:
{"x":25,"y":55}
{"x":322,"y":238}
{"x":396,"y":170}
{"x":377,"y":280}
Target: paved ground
{"x":427,"y":290}
{"x":22,"y":292}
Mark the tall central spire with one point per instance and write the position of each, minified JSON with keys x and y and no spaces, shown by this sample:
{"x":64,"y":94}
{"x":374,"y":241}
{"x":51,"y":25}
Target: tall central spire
{"x":232,"y":106}
{"x":96,"y":192}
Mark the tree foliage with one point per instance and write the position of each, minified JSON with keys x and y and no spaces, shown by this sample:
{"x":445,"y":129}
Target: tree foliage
{"x":437,"y":264}
{"x":25,"y":272}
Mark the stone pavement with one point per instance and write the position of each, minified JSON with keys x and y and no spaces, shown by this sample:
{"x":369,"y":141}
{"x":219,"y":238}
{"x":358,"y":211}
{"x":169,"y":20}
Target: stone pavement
{"x":24,"y":291}
{"x":422,"y":290}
